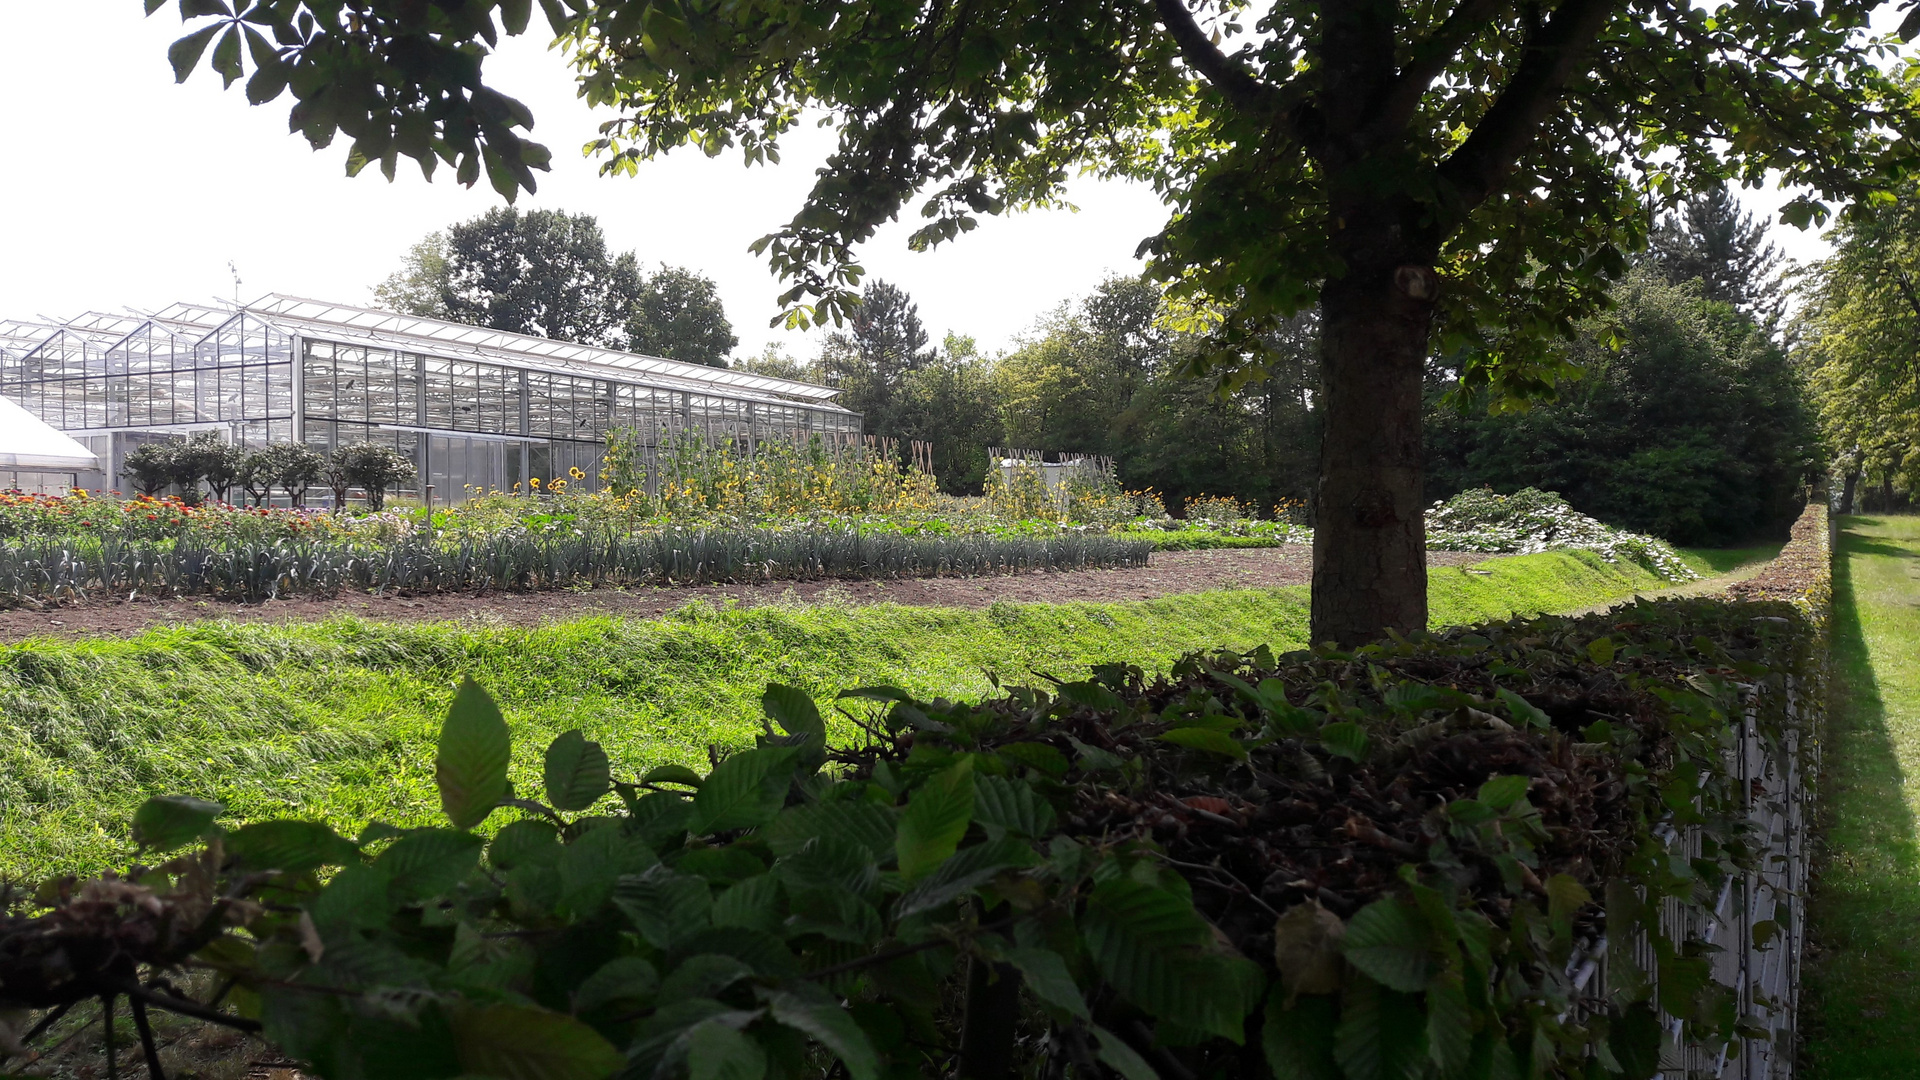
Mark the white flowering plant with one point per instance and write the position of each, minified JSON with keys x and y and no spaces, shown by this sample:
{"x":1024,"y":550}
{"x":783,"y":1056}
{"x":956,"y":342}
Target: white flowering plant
{"x":1531,"y":520}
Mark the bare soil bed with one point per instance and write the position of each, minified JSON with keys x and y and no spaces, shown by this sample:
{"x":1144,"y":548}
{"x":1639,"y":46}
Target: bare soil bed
{"x":1166,"y":574}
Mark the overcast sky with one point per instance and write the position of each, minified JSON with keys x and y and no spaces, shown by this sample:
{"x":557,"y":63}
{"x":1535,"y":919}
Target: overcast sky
{"x":125,"y":190}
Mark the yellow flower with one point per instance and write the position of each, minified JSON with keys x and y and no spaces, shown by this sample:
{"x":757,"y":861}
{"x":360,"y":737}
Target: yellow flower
{"x":534,"y":483}
{"x":576,"y":473}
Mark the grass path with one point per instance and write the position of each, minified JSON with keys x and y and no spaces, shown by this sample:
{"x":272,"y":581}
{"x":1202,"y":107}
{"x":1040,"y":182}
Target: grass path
{"x":1863,"y":980}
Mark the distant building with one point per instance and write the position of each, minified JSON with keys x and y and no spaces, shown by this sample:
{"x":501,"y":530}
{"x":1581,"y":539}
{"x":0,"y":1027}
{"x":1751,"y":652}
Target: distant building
{"x":470,"y":405}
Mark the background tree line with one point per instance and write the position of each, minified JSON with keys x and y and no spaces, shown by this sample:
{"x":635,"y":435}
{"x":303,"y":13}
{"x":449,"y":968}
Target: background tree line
{"x":1681,"y":413}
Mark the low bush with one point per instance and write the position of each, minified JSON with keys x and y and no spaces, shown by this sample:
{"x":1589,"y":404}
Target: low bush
{"x":1362,"y":864}
{"x":1531,"y":520}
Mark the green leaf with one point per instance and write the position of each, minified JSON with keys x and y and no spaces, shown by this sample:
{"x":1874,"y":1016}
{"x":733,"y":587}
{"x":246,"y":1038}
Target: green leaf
{"x":1635,"y":1036}
{"x":964,"y":872}
{"x":664,"y":906}
{"x":793,"y":709}
{"x":1449,"y":1023}
{"x":471,"y":766}
{"x":523,"y":1042}
{"x":1003,"y":806}
{"x":754,"y":903}
{"x":1565,"y":896}
{"x":706,"y":975}
{"x":935,"y":819}
{"x":1381,"y":1035}
{"x":1049,"y":980}
{"x":293,"y":847}
{"x":1601,"y":651}
{"x":576,"y":772}
{"x":718,"y":1051}
{"x":1346,"y":739}
{"x":1120,"y":1057}
{"x":1298,"y":1040}
{"x":1503,"y":791}
{"x":856,"y":820}
{"x":743,"y":791}
{"x":809,"y":1009}
{"x":529,"y":841}
{"x":514,"y":15}
{"x":1157,"y":952}
{"x":165,"y":822}
{"x":1089,"y":694}
{"x":1033,"y":755}
{"x":592,"y":863}
{"x":1522,"y":711}
{"x":628,"y":981}
{"x":672,"y":774}
{"x":1388,"y":940}
{"x":1199,"y":738}
{"x":186,"y":52}
{"x":1093,"y":758}
{"x":226,"y":56}
{"x":429,"y":862}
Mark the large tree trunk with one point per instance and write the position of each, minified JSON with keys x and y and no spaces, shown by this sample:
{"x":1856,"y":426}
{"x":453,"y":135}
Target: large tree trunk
{"x":1852,"y":484}
{"x":1369,"y":541}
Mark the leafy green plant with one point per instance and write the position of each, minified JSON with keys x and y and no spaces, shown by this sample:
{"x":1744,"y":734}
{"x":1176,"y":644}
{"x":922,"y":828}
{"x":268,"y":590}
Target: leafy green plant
{"x":1354,"y":865}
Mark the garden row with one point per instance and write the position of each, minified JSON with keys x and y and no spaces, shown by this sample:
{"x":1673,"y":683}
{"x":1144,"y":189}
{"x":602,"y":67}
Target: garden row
{"x":1361,"y":865}
{"x":62,"y":548}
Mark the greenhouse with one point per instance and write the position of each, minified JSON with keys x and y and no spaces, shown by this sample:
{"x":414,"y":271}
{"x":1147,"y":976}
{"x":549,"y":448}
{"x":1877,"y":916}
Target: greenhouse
{"x":473,"y":407}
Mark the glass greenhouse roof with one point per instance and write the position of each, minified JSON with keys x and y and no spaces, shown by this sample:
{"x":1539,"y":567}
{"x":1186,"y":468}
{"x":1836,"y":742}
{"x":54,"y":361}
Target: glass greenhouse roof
{"x":94,"y":334}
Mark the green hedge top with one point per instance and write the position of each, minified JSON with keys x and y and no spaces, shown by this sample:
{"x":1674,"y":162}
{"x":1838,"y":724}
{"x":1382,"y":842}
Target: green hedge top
{"x":1325,"y":864}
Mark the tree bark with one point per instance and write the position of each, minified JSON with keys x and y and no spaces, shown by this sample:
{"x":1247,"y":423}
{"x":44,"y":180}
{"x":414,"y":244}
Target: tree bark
{"x":1852,"y":484}
{"x":1369,"y":541}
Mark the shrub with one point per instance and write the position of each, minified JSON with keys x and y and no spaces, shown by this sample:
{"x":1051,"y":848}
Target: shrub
{"x":1531,"y":520}
{"x":150,"y":466}
{"x":1366,"y":864}
{"x":373,"y":467}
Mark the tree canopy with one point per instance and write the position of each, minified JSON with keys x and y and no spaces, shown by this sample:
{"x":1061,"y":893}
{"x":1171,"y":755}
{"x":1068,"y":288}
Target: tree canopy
{"x":1860,"y":337}
{"x":549,"y":273}
{"x":1468,"y":174}
{"x":1688,"y":423}
{"x":1713,"y":241}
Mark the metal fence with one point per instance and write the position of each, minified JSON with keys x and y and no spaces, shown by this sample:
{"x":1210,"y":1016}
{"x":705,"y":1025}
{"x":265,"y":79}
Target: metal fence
{"x":1755,"y":929}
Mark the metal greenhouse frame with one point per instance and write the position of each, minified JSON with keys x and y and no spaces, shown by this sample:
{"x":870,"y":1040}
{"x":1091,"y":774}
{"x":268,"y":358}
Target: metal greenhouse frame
{"x":473,"y":407}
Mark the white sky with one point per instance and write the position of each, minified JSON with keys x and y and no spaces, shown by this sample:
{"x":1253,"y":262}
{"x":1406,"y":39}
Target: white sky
{"x":123,"y":189}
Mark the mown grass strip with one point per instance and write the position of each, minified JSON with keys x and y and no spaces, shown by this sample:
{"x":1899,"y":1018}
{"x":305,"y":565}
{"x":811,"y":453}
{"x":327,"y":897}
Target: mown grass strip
{"x":337,"y":719}
{"x":1863,"y":976}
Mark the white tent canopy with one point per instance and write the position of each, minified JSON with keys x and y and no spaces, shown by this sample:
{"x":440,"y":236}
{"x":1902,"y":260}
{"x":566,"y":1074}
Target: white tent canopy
{"x":26,"y":443}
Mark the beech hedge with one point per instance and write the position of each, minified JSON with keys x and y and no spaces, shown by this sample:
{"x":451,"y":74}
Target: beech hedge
{"x":1344,"y":865}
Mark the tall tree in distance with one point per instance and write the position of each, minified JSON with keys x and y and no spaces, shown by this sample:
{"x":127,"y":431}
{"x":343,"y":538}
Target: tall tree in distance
{"x":678,"y":315}
{"x":1461,"y":176}
{"x":1713,"y":241}
{"x":1859,"y":334}
{"x":549,"y":273}
{"x":544,"y":272}
{"x":883,"y":341}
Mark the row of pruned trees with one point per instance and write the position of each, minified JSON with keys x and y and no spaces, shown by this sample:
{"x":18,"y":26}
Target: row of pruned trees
{"x":1859,"y":336}
{"x":186,"y":465}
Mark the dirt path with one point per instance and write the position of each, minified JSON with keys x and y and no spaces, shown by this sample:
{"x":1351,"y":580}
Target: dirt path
{"x":1166,"y":574}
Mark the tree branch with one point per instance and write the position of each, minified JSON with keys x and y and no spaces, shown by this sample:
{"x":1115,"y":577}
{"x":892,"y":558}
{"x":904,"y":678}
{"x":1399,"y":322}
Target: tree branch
{"x":1503,"y":134}
{"x":1430,"y":58}
{"x":1241,"y":89}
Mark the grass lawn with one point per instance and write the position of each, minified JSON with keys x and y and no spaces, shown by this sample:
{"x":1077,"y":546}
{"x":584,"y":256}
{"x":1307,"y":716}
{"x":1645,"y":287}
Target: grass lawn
{"x":1708,"y":562}
{"x":1863,"y":983}
{"x":338,"y":719}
